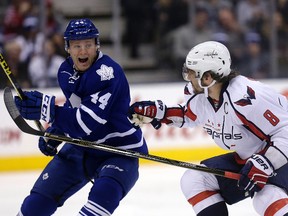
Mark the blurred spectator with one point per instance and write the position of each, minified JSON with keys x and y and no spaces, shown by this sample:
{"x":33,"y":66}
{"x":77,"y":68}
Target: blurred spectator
{"x":213,"y":6}
{"x":58,"y":41}
{"x":164,"y":23}
{"x":252,"y":13}
{"x":282,"y":34}
{"x":135,"y":19}
{"x":282,"y":43}
{"x":171,"y":14}
{"x":43,"y":67}
{"x":12,"y":51}
{"x":229,"y":32}
{"x":255,"y":62}
{"x":187,"y":36}
{"x":282,"y":6}
{"x":31,"y":41}
{"x":177,"y":14}
{"x":1,"y":36}
{"x":55,"y":27}
{"x":14,"y":16}
{"x":54,"y":20}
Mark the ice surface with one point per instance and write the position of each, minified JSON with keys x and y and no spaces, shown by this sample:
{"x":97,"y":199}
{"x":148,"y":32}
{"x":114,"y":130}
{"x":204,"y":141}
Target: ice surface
{"x":157,"y":193}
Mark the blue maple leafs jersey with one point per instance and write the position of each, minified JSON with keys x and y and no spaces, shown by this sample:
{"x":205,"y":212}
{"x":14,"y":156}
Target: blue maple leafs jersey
{"x":248,"y":117}
{"x":96,"y":106}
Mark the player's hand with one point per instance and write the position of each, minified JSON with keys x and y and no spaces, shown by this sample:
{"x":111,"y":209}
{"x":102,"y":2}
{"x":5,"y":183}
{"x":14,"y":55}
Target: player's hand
{"x":49,"y":147}
{"x":255,"y":173}
{"x":36,"y":106}
{"x":145,"y":112}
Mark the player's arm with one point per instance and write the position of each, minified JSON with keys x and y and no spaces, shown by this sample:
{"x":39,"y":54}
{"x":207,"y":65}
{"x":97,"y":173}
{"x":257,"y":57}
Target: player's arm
{"x":92,"y":113}
{"x":260,"y":167}
{"x":272,"y":126}
{"x":156,"y":113}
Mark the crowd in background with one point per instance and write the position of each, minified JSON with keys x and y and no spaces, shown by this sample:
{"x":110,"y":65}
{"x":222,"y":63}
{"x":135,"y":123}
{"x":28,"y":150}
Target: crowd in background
{"x":32,"y":55}
{"x":242,"y":25}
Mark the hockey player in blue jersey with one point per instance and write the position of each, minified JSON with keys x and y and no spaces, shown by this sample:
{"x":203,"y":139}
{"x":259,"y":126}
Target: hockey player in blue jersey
{"x":241,"y":115}
{"x":97,"y":100}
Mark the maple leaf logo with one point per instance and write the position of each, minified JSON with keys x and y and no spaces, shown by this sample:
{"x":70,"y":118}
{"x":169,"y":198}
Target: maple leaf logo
{"x":247,"y":98}
{"x":105,"y":72}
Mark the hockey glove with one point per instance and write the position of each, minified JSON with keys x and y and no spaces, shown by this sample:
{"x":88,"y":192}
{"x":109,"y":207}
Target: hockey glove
{"x":49,"y":147}
{"x":145,"y":112}
{"x":36,"y":106}
{"x":255,"y":173}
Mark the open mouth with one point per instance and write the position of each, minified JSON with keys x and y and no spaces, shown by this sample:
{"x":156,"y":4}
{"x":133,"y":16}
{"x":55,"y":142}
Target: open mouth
{"x":82,"y":60}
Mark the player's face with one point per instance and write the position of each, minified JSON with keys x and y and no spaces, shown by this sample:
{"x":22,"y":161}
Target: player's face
{"x":83,"y":53}
{"x":191,"y":76}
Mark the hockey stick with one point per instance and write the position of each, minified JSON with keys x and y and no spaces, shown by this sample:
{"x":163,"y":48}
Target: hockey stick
{"x":25,"y":127}
{"x":16,"y":85}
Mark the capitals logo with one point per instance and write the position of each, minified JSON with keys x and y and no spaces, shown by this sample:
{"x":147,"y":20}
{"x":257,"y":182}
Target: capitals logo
{"x":247,"y":98}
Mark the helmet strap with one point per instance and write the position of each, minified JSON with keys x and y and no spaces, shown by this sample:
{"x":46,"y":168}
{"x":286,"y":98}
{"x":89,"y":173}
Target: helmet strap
{"x":206,"y":87}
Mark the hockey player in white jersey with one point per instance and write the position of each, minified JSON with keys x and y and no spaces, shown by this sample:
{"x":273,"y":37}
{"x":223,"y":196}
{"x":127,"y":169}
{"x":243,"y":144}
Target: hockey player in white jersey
{"x":241,"y":115}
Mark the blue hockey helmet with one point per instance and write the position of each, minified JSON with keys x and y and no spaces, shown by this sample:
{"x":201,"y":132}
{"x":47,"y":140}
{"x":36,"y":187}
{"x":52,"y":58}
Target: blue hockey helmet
{"x":80,"y":29}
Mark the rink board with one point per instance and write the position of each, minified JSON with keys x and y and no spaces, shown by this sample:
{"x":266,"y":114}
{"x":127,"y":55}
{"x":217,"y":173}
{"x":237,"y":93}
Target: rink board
{"x":19,"y":151}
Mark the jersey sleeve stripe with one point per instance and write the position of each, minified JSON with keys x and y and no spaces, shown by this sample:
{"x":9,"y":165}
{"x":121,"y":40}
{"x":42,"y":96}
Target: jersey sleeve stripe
{"x":253,"y":128}
{"x":116,"y":134}
{"x":190,"y":114}
{"x":81,"y":123}
{"x":248,"y":124}
{"x":134,"y":145}
{"x":93,"y":115}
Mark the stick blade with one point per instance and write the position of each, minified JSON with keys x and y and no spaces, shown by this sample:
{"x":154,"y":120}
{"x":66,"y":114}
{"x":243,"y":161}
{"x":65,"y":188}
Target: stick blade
{"x":15,"y":114}
{"x":9,"y":103}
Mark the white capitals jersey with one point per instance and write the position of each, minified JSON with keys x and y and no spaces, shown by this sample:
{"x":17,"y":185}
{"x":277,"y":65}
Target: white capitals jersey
{"x":249,"y":116}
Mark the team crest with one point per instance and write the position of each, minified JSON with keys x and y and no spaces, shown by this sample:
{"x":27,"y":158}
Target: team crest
{"x":105,"y":72}
{"x":247,"y":98}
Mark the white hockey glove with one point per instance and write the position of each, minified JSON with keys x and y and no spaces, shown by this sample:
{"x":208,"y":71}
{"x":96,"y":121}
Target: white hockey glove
{"x":145,"y":112}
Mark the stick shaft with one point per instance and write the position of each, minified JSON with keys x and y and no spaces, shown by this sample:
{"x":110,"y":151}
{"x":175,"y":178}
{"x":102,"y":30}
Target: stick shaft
{"x":25,"y":127}
{"x":16,"y":85}
{"x":129,"y":153}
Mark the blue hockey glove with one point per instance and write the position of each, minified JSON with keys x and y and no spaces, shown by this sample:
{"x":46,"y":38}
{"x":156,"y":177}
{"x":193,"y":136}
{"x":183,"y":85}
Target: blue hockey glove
{"x":145,"y":112}
{"x":36,"y":106}
{"x":255,"y":173}
{"x":49,"y":147}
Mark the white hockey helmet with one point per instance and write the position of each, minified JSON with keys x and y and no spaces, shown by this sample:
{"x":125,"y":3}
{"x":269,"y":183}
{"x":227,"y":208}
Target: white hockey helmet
{"x":209,"y":56}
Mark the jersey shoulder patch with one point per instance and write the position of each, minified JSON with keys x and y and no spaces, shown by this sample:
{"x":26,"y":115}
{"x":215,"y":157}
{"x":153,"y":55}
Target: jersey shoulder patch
{"x":246,"y":100}
{"x":105,"y":72}
{"x":242,"y":91}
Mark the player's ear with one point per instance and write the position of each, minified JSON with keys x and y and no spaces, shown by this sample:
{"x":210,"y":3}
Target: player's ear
{"x":68,"y":50}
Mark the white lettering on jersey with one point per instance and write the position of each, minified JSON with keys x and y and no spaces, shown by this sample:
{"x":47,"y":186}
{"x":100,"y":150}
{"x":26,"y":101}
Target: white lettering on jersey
{"x":45,"y":176}
{"x":74,"y":78}
{"x":226,"y":135}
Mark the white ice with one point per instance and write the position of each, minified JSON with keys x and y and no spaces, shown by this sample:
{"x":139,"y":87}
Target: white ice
{"x":157,"y":193}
